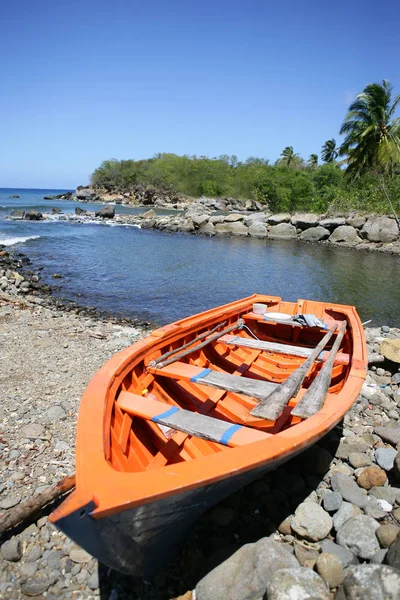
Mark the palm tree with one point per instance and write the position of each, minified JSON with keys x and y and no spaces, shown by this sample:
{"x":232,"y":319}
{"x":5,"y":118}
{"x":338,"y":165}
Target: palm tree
{"x":313,"y":161}
{"x":289,"y":158}
{"x":329,"y":153}
{"x":372,"y":141}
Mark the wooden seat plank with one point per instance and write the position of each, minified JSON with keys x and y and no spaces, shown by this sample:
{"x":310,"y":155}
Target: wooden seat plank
{"x":231,"y":383}
{"x":208,"y":428}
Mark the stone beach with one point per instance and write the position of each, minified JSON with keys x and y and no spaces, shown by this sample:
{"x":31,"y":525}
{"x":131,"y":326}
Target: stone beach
{"x":325,"y":525}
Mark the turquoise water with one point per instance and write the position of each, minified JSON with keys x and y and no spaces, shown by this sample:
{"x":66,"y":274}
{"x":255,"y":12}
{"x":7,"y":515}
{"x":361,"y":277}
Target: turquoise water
{"x":162,"y":277}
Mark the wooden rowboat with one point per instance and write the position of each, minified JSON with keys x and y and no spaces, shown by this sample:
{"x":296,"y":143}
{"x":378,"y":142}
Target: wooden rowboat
{"x":200,"y":408}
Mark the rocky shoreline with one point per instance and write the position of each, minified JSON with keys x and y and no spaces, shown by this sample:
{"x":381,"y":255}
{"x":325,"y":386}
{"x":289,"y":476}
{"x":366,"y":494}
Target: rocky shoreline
{"x":327,"y":523}
{"x":249,"y":220}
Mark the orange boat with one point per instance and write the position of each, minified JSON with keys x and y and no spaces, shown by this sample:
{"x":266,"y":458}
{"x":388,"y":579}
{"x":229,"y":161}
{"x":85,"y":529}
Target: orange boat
{"x":198,"y":409}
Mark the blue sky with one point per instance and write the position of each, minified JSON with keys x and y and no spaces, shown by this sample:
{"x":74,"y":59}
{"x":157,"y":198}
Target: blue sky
{"x":87,"y":80}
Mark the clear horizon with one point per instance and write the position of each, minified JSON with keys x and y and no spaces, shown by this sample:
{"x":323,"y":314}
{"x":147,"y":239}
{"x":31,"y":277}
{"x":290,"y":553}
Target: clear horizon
{"x":88,"y":81}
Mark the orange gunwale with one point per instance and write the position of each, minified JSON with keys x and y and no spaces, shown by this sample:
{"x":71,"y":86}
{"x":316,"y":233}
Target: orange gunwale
{"x":114,"y":490}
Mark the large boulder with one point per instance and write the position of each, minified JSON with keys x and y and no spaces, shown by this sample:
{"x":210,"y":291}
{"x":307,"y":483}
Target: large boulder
{"x":356,"y":221}
{"x":245,"y":575}
{"x":332,"y":223}
{"x":258,"y":230}
{"x":199,"y":220}
{"x":107,"y":212}
{"x":236,"y":228}
{"x":17,"y":214}
{"x":196,"y":209}
{"x":111,"y":197}
{"x":345,"y":233}
{"x":255,"y":218}
{"x":282,"y":231}
{"x":207,"y":229}
{"x":304,"y":220}
{"x":315,"y":234}
{"x":380,"y":229}
{"x":84,"y":193}
{"x":33,"y":215}
{"x":233,"y":218}
{"x":279,"y":218}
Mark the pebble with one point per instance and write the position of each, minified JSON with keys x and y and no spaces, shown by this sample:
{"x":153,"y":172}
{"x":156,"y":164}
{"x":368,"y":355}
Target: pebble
{"x":358,"y":535}
{"x":330,"y":567}
{"x":11,"y":550}
{"x":33,"y":554}
{"x":35,"y":586}
{"x":32,"y":430}
{"x":9,"y":502}
{"x":358,"y":459}
{"x":332,"y":501}
{"x":80,"y":556}
{"x":372,"y":477}
{"x":55,"y":413}
{"x":348,"y":489}
{"x":307,"y":557}
{"x":385,"y":458}
{"x":386,"y":534}
{"x":311,"y":522}
{"x":93,"y":581}
{"x":389,"y":434}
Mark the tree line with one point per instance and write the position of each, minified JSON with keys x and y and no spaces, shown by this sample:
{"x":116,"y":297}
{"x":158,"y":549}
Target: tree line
{"x":359,"y":174}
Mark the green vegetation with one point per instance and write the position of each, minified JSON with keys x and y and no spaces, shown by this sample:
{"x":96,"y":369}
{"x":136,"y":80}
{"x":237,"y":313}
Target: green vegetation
{"x":371,"y":151}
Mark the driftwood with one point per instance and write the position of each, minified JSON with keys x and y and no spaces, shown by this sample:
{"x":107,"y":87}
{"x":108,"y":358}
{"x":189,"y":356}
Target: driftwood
{"x":163,"y":363}
{"x":27,"y":509}
{"x":273,"y":405}
{"x":314,"y":398}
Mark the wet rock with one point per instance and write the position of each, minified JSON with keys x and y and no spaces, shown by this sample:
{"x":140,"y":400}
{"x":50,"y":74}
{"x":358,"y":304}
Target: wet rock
{"x":389,"y":434}
{"x":385,"y":458}
{"x":345,"y":233}
{"x":11,"y":550}
{"x":33,"y":215}
{"x":311,"y":522}
{"x":372,"y":477}
{"x":17,"y":214}
{"x":345,"y":556}
{"x":282,"y":231}
{"x":372,"y":582}
{"x":330,"y":567}
{"x":358,"y":535}
{"x":36,"y":586}
{"x":345,"y":512}
{"x":348,"y":489}
{"x":332,"y":501}
{"x":32,"y":430}
{"x":244,"y":576}
{"x":295,"y":583}
{"x":107,"y":212}
{"x":386,"y":534}
{"x":80,"y":211}
{"x":315,"y":234}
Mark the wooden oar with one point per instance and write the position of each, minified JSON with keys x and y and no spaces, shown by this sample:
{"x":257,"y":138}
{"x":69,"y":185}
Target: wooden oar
{"x":271,"y":407}
{"x":314,"y":398}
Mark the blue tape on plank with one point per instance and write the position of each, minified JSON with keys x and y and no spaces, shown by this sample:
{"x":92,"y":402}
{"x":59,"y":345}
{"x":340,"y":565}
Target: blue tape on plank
{"x":200,"y":375}
{"x":164,"y":415}
{"x":229,"y":433}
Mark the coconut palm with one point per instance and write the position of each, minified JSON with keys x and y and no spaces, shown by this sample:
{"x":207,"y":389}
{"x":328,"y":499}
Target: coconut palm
{"x":290,"y":158}
{"x":372,"y":141}
{"x":313,"y":161}
{"x":329,"y":153}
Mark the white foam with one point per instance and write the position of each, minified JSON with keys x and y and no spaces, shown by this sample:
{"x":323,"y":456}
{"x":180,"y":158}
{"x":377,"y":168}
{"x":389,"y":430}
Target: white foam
{"x":17,"y":240}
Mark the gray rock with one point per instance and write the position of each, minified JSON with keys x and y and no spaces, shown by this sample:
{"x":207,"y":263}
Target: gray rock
{"x":245,"y":575}
{"x":77,"y":555}
{"x":54,"y":559}
{"x":385,"y":458}
{"x":84,"y":193}
{"x":346,"y":448}
{"x":315,"y":234}
{"x":348,"y":489}
{"x":384,"y":493}
{"x":311,"y":522}
{"x":32,"y":430}
{"x":347,"y":558}
{"x":107,"y":212}
{"x":389,"y":434}
{"x":330,"y":568}
{"x":17,"y":214}
{"x":345,"y":233}
{"x":36,"y":586}
{"x":393,"y":556}
{"x":55,"y":413}
{"x":200,"y":220}
{"x":233,"y":218}
{"x":357,"y":221}
{"x":333,"y":222}
{"x":358,"y":535}
{"x":28,"y":570}
{"x":80,"y":211}
{"x":283,"y":230}
{"x":149,"y":214}
{"x":33,"y":554}
{"x":258,"y":230}
{"x":345,"y":512}
{"x":235,"y":228}
{"x":304,"y":220}
{"x":380,"y":229}
{"x":379,"y":556}
{"x":11,"y":550}
{"x":9,"y":502}
{"x":279,"y":218}
{"x":373,"y":509}
{"x":207,"y":229}
{"x":93,"y":581}
{"x":256,"y":218}
{"x":332,"y":501}
{"x":371,"y":582}
{"x":296,"y":583}
{"x":358,"y":459}
{"x":33,"y":215}
{"x":217,"y":219}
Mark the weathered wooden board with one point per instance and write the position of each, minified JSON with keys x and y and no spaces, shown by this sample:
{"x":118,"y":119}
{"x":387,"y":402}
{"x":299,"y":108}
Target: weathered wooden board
{"x":207,"y":428}
{"x":231,"y":383}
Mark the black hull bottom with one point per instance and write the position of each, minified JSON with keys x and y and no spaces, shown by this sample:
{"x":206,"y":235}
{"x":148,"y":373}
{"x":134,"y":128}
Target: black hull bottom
{"x":141,"y":540}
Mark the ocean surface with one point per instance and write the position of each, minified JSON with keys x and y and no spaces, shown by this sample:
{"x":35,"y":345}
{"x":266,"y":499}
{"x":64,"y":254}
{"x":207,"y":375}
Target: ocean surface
{"x":161,"y":277}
